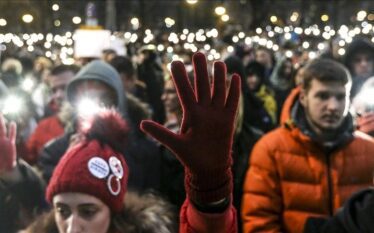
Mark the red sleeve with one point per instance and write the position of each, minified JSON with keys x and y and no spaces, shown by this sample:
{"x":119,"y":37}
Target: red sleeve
{"x":194,"y":221}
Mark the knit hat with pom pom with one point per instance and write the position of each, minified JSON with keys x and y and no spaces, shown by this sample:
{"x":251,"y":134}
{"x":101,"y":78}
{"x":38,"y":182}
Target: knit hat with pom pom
{"x":94,"y":166}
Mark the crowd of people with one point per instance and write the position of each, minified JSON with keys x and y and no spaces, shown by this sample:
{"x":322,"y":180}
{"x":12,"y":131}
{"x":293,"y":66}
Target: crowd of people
{"x":252,"y":143}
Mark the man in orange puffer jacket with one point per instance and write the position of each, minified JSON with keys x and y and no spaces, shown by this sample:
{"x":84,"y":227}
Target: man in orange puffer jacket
{"x":311,"y":164}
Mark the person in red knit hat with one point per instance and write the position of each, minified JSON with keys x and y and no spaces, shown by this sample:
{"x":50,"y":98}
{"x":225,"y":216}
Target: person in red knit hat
{"x":88,"y":185}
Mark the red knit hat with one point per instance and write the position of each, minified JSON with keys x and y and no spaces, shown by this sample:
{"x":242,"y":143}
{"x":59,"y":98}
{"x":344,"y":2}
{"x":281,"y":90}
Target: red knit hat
{"x":92,"y":166}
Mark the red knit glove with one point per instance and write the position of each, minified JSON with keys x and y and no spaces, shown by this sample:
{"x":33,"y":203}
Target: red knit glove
{"x":204,"y":143}
{"x":365,"y":123}
{"x":7,"y":146}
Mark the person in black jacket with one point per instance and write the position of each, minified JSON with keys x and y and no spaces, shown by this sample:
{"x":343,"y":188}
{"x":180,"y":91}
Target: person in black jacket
{"x":151,"y":73}
{"x":356,"y":216}
{"x":21,"y":197}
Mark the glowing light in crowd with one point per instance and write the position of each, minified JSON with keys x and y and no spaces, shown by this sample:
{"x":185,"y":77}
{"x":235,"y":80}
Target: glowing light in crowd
{"x":298,"y":30}
{"x":169,"y":22}
{"x":87,"y":107}
{"x":324,"y":17}
{"x":294,"y":17}
{"x":235,"y":39}
{"x":57,"y":23}
{"x":127,"y":35}
{"x":258,"y":30}
{"x":28,"y":84}
{"x":207,"y":47}
{"x":230,"y":49}
{"x":12,"y":105}
{"x":271,"y":34}
{"x":275,"y":47}
{"x":77,"y":20}
{"x":341,"y":51}
{"x":225,"y":18}
{"x":241,"y":35}
{"x":160,"y":47}
{"x":134,"y":22}
{"x":361,"y":15}
{"x":341,"y":43}
{"x":133,"y":38}
{"x":170,"y":49}
{"x":312,"y":55}
{"x":248,"y":40}
{"x":321,"y":46}
{"x":3,"y":22}
{"x":289,"y":54}
{"x":287,"y":36}
{"x":191,"y":2}
{"x":220,"y":10}
{"x":55,"y":7}
{"x":273,"y":19}
{"x":27,"y":18}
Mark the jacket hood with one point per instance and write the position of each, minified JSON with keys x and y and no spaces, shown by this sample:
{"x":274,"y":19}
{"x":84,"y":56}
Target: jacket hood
{"x":103,"y":72}
{"x":358,"y":212}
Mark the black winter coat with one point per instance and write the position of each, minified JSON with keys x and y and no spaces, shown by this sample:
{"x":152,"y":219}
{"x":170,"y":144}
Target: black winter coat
{"x":356,"y":216}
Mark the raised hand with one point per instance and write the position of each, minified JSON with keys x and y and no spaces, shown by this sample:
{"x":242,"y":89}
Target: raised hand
{"x":204,"y":143}
{"x":8,"y":152}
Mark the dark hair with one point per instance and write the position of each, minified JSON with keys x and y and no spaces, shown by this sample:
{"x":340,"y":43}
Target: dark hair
{"x":270,"y":52}
{"x":255,"y":68}
{"x":325,"y":70}
{"x":123,"y":65}
{"x":358,"y":46}
{"x":64,"y":68}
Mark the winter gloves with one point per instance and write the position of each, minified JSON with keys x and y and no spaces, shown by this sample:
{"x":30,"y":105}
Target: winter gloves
{"x":204,"y":142}
{"x":8,"y":152}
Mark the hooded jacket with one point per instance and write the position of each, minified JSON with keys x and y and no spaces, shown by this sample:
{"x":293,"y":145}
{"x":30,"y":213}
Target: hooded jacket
{"x":356,"y":216}
{"x":292,"y":176}
{"x":143,"y":164}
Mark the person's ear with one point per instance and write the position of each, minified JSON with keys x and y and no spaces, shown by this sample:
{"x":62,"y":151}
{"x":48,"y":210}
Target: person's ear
{"x":302,"y":97}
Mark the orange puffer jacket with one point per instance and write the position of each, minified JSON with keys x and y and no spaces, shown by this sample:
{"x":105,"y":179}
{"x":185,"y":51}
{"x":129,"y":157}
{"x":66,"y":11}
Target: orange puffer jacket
{"x":292,"y":178}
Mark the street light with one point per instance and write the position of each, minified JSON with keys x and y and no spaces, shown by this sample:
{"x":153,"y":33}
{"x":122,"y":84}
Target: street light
{"x":220,"y":10}
{"x":27,"y":18}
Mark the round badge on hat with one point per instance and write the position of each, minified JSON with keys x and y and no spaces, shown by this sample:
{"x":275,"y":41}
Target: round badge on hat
{"x":98,"y":167}
{"x":114,"y":186}
{"x":116,"y":167}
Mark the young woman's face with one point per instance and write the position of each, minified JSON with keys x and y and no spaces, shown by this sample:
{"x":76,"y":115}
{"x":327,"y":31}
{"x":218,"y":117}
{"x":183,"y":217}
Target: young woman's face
{"x":80,"y":213}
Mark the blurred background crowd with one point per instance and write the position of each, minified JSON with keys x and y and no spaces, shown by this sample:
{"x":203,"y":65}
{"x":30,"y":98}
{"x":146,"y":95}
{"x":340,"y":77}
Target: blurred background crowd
{"x":44,"y":43}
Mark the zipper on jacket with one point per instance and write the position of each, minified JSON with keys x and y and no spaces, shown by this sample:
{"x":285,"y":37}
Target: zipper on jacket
{"x":329,"y":187}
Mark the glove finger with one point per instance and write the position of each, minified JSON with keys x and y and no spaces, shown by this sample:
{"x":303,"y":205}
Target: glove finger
{"x":234,"y":93}
{"x":202,"y":85}
{"x":12,"y":132}
{"x":219,"y":85}
{"x":160,"y":133}
{"x":182,"y":84}
{"x":2,"y":126}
